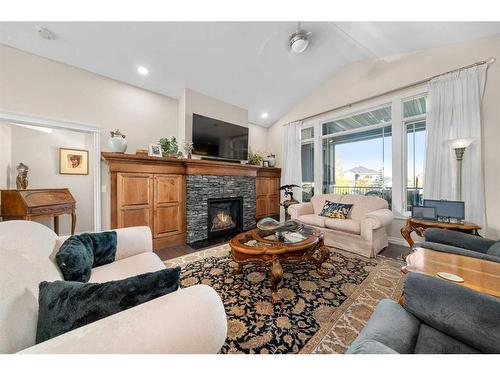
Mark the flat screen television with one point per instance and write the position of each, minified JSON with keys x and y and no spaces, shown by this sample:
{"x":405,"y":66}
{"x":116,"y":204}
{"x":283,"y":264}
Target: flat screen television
{"x":214,"y":138}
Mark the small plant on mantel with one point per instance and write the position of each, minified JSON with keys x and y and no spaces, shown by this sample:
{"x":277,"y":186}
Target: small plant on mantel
{"x":169,"y":147}
{"x":254,"y":158}
{"x":188,"y":148}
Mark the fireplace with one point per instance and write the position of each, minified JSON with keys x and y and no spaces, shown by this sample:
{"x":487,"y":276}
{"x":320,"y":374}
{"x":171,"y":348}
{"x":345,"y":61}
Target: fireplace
{"x":225,"y":216}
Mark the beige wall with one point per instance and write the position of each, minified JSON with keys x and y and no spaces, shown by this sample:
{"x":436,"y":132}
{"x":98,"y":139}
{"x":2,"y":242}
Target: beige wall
{"x":33,"y":85}
{"x":371,"y":77}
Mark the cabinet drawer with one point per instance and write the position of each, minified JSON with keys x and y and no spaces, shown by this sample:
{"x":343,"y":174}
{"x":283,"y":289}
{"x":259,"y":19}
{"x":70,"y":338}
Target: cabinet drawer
{"x":59,"y":208}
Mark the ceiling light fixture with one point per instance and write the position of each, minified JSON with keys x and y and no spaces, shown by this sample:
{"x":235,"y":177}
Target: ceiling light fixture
{"x":264,"y":115}
{"x":299,"y":40}
{"x":142,"y":70}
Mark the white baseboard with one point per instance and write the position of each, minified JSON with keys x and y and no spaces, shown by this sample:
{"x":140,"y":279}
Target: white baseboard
{"x":398,"y":241}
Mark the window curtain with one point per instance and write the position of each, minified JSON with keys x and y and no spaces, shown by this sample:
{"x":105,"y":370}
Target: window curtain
{"x":454,"y":111}
{"x":292,"y":163}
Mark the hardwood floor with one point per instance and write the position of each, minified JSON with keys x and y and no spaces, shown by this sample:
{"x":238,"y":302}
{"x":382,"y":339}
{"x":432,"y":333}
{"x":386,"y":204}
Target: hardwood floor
{"x":395,"y":251}
{"x":391,"y":251}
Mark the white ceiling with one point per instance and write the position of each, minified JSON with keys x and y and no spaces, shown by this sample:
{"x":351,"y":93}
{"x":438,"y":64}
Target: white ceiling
{"x":243,"y":63}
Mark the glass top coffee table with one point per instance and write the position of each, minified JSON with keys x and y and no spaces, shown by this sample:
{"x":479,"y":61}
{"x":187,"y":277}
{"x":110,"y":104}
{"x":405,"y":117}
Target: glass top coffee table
{"x":261,"y":247}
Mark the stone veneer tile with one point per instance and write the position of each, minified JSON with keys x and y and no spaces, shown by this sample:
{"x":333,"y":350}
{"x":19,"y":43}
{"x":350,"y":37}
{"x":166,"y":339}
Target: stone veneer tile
{"x":201,"y":187}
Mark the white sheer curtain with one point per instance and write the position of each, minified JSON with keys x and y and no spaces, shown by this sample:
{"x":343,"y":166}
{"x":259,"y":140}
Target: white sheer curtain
{"x":454,"y":111}
{"x":292,"y":163}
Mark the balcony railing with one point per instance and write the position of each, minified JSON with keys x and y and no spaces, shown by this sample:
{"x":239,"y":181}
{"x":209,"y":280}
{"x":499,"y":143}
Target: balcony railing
{"x":414,"y":196}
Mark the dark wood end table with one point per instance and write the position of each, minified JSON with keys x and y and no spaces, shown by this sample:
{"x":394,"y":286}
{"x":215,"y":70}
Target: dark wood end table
{"x":419,"y":226}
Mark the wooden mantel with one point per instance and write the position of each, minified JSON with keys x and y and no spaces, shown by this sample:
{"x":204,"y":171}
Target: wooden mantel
{"x":151,"y":191}
{"x":119,"y":162}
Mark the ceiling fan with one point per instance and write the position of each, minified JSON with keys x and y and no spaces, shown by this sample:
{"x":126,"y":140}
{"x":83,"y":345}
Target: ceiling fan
{"x":299,"y":40}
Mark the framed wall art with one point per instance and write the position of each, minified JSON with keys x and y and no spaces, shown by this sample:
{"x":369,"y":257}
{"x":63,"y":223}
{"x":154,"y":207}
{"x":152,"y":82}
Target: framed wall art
{"x":72,"y":161}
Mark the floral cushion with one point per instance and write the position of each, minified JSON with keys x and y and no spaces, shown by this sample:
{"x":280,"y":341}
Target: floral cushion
{"x":335,"y":210}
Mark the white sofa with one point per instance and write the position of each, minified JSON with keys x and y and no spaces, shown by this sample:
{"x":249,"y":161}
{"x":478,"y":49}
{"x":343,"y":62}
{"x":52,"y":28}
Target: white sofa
{"x":363,"y":232}
{"x":190,"y":320}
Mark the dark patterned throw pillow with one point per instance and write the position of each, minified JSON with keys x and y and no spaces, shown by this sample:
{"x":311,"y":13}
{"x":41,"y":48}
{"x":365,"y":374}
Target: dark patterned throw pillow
{"x":335,"y":210}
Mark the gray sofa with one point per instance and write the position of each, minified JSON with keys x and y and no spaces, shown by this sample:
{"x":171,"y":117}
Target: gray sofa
{"x":450,"y":241}
{"x":438,"y":317}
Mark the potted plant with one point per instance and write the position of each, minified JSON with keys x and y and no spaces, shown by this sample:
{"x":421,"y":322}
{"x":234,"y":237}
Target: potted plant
{"x":169,"y":147}
{"x":254,"y":158}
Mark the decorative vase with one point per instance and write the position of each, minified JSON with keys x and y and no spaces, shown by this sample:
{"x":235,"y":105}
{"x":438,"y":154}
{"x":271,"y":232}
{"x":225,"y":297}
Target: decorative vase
{"x":272,"y":160}
{"x":117,"y":142}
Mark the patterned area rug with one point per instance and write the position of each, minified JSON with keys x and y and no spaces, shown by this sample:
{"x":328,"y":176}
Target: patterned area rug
{"x":316,"y":315}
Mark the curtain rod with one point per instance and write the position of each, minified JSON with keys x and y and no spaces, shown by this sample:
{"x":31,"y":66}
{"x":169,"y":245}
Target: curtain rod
{"x":491,"y":60}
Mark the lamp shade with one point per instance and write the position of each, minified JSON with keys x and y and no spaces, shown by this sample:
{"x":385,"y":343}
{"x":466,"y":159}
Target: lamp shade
{"x":460,"y":142}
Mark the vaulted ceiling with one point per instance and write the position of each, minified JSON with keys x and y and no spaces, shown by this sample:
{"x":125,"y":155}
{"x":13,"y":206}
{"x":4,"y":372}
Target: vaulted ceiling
{"x":247,"y":64}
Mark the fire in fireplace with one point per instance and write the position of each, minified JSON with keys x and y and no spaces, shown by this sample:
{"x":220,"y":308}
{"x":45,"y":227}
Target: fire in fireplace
{"x":222,"y":220}
{"x":224,"y":216}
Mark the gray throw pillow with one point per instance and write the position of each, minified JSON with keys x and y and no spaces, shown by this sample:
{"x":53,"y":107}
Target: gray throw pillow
{"x":494,"y":249}
{"x":67,"y":305}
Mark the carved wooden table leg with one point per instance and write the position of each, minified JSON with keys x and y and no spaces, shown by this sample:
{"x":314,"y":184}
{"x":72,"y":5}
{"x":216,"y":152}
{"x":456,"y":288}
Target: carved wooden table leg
{"x":237,"y":269}
{"x":325,"y":254}
{"x":56,"y":224}
{"x":406,"y":233}
{"x":73,"y":222}
{"x":276,"y":276}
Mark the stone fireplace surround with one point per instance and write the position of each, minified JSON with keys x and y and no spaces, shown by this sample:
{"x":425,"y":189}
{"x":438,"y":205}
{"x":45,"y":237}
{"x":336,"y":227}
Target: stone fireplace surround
{"x":200,"y":188}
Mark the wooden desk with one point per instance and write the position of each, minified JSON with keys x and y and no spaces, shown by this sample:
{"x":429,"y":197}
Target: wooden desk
{"x":419,"y":226}
{"x":478,"y":274}
{"x":36,"y":203}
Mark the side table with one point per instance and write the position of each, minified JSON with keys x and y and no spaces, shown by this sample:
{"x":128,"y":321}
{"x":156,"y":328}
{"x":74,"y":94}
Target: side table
{"x":419,"y":226}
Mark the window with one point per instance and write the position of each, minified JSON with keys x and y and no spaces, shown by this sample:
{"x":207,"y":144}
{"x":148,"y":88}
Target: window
{"x":414,"y":112}
{"x":307,"y":153}
{"x":377,"y":150}
{"x":357,"y":154}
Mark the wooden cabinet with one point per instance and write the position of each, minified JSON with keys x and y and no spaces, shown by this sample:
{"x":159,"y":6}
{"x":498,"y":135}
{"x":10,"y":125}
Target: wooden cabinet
{"x":267,"y":193}
{"x":153,"y":200}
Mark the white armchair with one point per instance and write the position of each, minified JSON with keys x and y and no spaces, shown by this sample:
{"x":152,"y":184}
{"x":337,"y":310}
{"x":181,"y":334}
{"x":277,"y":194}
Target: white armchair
{"x":365,"y":230}
{"x":190,"y":320}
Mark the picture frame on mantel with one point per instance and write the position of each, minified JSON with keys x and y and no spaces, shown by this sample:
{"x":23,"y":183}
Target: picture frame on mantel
{"x":73,"y":161}
{"x":154,"y":149}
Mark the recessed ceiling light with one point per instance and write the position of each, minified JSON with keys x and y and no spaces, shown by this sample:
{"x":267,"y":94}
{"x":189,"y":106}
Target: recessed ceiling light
{"x":264,"y":115}
{"x":142,"y":70}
